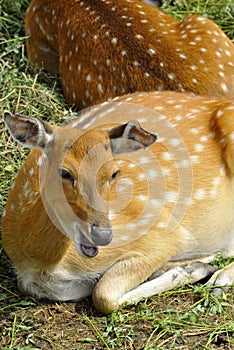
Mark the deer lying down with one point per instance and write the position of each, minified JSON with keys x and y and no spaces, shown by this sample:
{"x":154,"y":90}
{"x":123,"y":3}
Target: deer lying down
{"x":102,"y":49}
{"x":101,"y":207}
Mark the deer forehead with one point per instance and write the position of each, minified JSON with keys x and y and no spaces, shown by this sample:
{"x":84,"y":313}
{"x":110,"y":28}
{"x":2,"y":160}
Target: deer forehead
{"x":72,"y":146}
{"x":91,"y":139}
{"x":76,"y":139}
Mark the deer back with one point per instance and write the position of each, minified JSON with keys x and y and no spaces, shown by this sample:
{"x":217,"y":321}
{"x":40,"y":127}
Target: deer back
{"x":103,"y":49}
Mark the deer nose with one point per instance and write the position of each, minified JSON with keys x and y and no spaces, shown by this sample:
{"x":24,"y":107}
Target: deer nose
{"x":101,"y":236}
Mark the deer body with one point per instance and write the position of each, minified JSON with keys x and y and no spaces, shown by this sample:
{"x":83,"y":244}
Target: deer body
{"x":103,"y":49}
{"x":169,"y":203}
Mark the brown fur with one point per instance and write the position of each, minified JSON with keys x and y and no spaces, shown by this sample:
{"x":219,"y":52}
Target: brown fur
{"x":106,"y":49}
{"x":200,"y":169}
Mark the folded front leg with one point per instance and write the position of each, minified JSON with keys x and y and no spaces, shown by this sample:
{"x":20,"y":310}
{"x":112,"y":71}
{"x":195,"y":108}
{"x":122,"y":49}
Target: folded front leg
{"x":123,"y":276}
{"x":134,"y":268}
{"x":172,"y":279}
{"x":122,"y":283}
{"x":109,"y":294}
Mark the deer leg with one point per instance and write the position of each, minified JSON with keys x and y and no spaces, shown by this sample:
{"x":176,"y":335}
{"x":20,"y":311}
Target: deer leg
{"x":126,"y":280}
{"x":107,"y":294}
{"x":223,"y":279}
{"x":181,"y":263}
{"x":169,"y":280}
{"x":41,"y":52}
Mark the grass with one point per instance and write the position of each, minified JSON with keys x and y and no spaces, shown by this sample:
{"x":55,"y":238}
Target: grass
{"x":189,"y":318}
{"x":186,"y":319}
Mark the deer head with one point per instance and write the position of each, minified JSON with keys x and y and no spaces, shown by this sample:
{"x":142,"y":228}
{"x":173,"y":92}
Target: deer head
{"x":77,"y":171}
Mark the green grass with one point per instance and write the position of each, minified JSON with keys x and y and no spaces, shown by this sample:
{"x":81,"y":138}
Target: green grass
{"x":189,"y":318}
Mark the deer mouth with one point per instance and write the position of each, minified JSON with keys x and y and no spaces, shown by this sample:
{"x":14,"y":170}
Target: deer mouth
{"x":84,"y":246}
{"x":89,"y":250}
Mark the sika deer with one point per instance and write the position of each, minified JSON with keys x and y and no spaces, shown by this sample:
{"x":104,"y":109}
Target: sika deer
{"x":170,"y":203}
{"x":103,"y":49}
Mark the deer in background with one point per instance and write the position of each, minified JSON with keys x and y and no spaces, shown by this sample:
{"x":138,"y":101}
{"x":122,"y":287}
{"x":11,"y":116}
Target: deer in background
{"x":103,"y":49}
{"x":100,"y":208}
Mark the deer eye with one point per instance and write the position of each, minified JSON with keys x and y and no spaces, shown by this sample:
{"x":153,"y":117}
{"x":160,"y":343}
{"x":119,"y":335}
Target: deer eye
{"x":64,"y":174}
{"x":114,"y":175}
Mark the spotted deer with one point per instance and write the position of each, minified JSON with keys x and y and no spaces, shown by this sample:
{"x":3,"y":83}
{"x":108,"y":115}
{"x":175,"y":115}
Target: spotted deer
{"x":132,"y":198}
{"x":103,"y":49}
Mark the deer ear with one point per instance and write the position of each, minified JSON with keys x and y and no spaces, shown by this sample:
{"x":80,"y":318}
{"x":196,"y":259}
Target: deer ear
{"x":130,"y":137}
{"x":28,"y":131}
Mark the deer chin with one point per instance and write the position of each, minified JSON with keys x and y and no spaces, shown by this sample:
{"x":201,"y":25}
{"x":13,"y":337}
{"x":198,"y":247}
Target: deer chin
{"x":84,"y":247}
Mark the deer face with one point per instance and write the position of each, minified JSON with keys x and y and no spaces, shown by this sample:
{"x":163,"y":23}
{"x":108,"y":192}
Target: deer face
{"x":76,"y":184}
{"x":77,"y":174}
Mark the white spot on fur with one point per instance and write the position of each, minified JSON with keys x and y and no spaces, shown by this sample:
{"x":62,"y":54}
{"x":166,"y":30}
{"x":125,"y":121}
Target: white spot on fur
{"x":141,"y":177}
{"x":171,"y":196}
{"x":144,"y":160}
{"x":199,"y":147}
{"x":39,"y":161}
{"x":224,"y":87}
{"x":200,"y":193}
{"x":112,"y":215}
{"x":142,"y":198}
{"x":156,"y":203}
{"x":151,"y":174}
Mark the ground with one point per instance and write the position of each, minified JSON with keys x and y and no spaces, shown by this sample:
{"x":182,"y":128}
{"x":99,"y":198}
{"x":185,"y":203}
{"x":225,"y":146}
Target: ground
{"x":189,"y":318}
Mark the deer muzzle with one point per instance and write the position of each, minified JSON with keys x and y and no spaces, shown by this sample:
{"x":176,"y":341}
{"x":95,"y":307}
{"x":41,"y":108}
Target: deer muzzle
{"x":101,"y":236}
